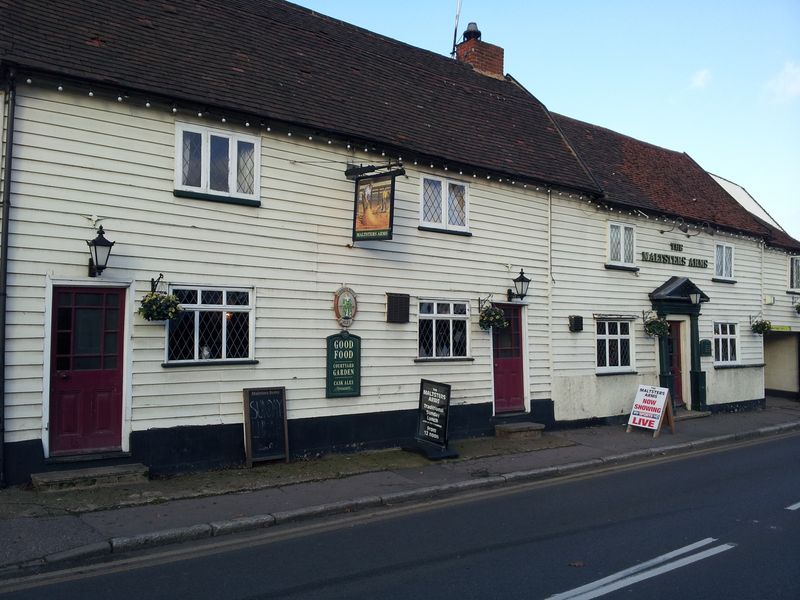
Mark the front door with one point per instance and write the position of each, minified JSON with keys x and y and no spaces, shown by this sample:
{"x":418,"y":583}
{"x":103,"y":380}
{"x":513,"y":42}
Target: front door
{"x":674,"y":358}
{"x":86,"y":370}
{"x":509,"y":388}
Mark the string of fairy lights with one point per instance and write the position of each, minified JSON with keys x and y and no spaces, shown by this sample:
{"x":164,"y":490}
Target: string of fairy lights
{"x":370,"y":148}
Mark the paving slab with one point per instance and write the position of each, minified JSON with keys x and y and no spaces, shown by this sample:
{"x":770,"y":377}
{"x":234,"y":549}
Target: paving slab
{"x":30,"y":538}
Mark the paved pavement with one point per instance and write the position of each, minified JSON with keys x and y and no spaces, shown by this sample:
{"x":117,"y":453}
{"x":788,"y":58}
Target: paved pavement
{"x":38,"y":529}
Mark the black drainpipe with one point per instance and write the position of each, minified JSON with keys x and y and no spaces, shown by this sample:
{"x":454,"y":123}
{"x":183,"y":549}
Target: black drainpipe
{"x":12,"y":103}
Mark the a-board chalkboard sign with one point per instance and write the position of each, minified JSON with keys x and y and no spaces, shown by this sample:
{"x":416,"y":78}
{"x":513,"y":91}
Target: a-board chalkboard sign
{"x":265,"y":424}
{"x":434,"y":409}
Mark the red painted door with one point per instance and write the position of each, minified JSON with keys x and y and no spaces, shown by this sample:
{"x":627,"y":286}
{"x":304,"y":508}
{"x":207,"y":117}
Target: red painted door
{"x":86,"y":370}
{"x":509,"y":389}
{"x":674,"y":350}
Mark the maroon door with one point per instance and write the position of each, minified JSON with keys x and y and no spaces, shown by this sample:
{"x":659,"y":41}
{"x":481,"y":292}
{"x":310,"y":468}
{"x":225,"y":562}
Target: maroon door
{"x":86,"y":370}
{"x":509,"y":389}
{"x":674,"y":351}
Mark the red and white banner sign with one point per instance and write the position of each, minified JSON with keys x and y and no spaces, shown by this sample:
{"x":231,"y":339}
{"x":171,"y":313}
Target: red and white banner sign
{"x":648,"y":407}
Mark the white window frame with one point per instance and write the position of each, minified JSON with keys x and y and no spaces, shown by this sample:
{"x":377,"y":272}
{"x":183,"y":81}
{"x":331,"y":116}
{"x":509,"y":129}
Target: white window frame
{"x":607,"y":337}
{"x":719,"y":270}
{"x":794,"y":273}
{"x":440,"y":318}
{"x":624,"y":228}
{"x":444,"y":225}
{"x":222,"y":308}
{"x":725,"y":338}
{"x":233,"y":139}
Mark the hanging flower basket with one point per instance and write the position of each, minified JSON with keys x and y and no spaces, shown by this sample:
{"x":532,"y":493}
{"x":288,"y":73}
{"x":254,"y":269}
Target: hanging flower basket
{"x":797,"y":308}
{"x":761,"y":326}
{"x":158,"y":306}
{"x":491,"y":316}
{"x":656,"y":327}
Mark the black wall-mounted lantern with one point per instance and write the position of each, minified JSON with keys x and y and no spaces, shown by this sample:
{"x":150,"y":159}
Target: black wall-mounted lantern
{"x":521,"y":284}
{"x":100,"y":250}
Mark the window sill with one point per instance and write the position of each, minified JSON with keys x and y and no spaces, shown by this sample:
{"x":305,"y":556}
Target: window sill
{"x":439,"y":360}
{"x":793,"y":292}
{"x":737,"y":366}
{"x":208,"y":363}
{"x":215,"y":198}
{"x":613,"y":267}
{"x":612,"y":373}
{"x":720,"y":280}
{"x":447,"y":231}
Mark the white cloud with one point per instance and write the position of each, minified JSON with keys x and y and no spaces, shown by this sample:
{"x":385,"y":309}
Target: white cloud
{"x":785,"y":86}
{"x":701,"y":78}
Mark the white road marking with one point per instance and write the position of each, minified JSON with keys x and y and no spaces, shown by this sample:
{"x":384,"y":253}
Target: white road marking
{"x":794,"y":506}
{"x":643,"y":571}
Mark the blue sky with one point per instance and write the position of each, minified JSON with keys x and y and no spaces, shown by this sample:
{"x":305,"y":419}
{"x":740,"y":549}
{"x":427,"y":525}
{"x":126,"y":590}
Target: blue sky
{"x":717,"y":80}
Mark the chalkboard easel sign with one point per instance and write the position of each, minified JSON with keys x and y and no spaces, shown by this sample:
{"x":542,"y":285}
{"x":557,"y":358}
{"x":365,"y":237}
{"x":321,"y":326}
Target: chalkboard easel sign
{"x":432,"y":421}
{"x":266,"y":434}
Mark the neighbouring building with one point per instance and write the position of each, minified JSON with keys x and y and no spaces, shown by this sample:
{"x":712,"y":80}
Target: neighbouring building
{"x":284,"y":175}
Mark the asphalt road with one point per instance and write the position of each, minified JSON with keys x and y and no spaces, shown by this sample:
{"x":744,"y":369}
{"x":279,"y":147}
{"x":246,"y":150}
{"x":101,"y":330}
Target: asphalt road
{"x":722,"y":524}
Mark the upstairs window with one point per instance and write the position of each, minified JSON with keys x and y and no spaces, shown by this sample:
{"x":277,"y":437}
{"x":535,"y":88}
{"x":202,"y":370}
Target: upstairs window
{"x":794,"y":272}
{"x":443,"y":328}
{"x":216,"y":325}
{"x":723,"y":261}
{"x":216,"y":163}
{"x":620,"y":244}
{"x":725,"y":343}
{"x":444,"y":205}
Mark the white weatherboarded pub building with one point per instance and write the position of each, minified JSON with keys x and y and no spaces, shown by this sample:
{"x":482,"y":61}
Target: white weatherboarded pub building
{"x":236,"y":159}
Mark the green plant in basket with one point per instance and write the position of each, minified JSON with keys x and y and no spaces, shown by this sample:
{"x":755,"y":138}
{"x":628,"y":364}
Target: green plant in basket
{"x":491,"y":316}
{"x":158,"y":306}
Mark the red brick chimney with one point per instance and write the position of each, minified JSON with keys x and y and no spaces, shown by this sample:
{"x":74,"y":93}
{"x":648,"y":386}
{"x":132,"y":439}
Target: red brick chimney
{"x":484,"y":58}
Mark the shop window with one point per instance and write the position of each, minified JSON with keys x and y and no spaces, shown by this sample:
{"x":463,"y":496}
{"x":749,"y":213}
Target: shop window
{"x":216,"y":325}
{"x":614,"y":346}
{"x":620,"y":244}
{"x":217,"y":164}
{"x":723,"y":261}
{"x":443,"y":329}
{"x":725,"y":343}
{"x":444,"y":205}
{"x":794,"y":272}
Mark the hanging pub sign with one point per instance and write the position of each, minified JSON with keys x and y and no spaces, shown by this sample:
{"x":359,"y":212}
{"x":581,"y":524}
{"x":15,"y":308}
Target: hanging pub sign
{"x":373,"y":210}
{"x":343,"y":366}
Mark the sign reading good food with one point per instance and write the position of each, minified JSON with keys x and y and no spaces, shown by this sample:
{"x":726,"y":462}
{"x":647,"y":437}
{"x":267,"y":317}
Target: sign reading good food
{"x":343,"y":373}
{"x":373,"y":212}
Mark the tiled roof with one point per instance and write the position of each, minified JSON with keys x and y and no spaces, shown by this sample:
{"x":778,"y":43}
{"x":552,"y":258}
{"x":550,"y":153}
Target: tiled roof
{"x":640,"y":175}
{"x":277,"y":60}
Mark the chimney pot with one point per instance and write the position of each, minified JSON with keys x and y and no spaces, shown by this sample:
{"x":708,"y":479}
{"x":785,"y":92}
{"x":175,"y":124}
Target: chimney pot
{"x":486,"y":59}
{"x":472,"y":32}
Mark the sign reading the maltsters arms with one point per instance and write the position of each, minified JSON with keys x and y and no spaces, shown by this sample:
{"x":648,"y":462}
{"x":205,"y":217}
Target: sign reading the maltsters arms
{"x":343,"y":372}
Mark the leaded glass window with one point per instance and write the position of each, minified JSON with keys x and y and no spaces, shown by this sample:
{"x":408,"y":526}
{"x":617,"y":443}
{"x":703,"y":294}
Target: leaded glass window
{"x":217,"y":163}
{"x":723,"y":261}
{"x":620,"y":244}
{"x":216,"y":325}
{"x":725,"y":343}
{"x":614,"y":342}
{"x":444,"y":204}
{"x":443,"y":329}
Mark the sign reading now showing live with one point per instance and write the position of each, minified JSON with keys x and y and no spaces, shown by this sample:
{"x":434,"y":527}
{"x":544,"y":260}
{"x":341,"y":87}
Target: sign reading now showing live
{"x":343,"y":372}
{"x":434,"y":408}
